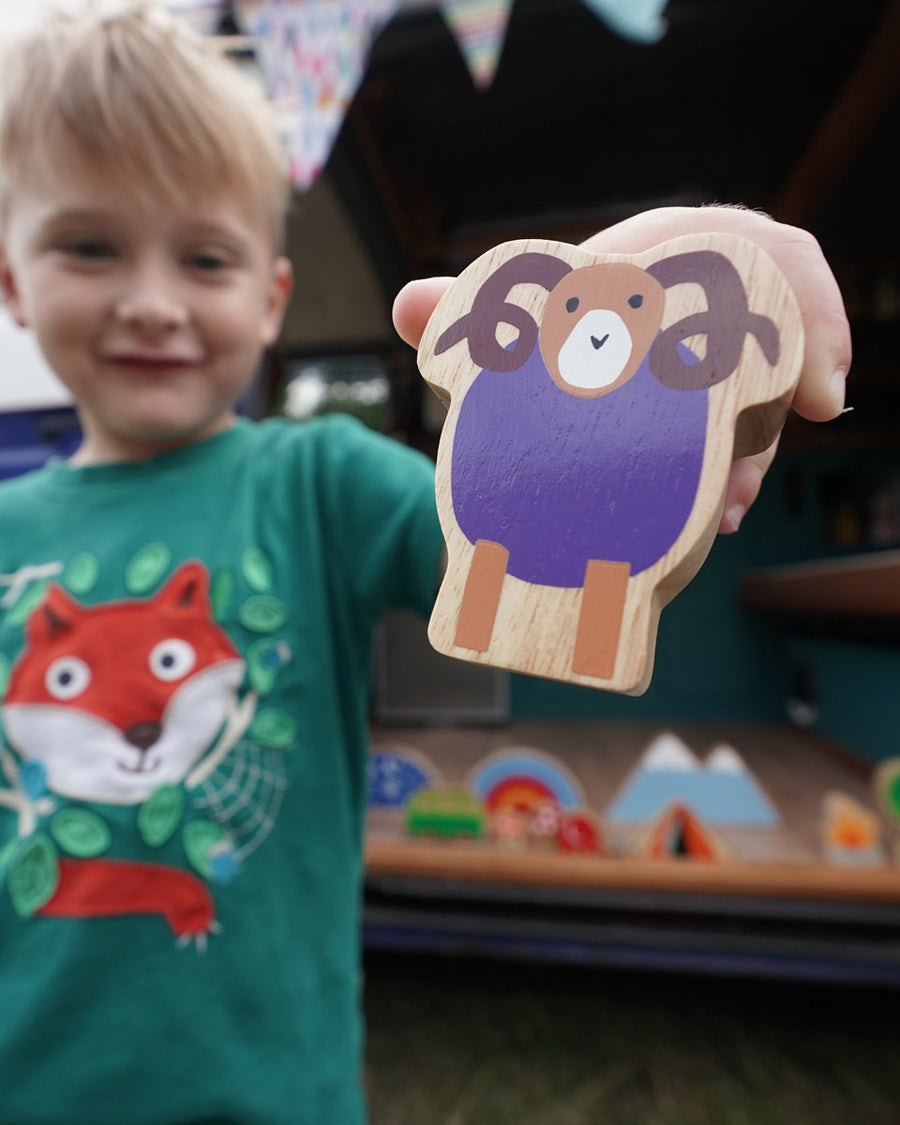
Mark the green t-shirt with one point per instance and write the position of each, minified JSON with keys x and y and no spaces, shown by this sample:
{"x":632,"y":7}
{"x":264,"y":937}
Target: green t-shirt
{"x":184,"y":649}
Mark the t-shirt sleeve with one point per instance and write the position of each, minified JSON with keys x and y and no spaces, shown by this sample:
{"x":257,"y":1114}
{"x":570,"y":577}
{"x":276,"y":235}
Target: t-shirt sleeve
{"x":381,"y":516}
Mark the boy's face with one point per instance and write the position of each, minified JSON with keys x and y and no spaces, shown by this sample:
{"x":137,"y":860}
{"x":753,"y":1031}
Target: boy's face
{"x":154,"y":314}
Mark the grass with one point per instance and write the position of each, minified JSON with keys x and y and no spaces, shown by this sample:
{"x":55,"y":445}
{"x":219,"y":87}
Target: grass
{"x":455,"y":1042}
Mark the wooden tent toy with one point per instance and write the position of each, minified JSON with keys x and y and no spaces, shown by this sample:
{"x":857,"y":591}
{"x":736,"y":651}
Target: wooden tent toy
{"x":595,"y":407}
{"x":679,"y":833}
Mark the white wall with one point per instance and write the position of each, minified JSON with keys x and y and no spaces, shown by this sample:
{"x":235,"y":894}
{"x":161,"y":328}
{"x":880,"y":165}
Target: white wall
{"x":26,"y":382}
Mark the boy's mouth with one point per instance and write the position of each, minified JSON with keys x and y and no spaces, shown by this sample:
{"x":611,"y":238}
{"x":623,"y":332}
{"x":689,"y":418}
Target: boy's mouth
{"x":152,"y":363}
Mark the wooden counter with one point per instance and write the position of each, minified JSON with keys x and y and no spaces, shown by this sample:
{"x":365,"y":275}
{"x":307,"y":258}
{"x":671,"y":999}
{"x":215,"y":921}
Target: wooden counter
{"x":861,"y":585}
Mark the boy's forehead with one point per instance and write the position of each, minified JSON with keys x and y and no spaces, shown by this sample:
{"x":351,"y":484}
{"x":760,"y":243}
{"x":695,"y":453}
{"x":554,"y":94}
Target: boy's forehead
{"x":69,"y":179}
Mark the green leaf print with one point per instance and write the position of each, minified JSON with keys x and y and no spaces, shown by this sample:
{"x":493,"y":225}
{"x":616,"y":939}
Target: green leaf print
{"x":262,"y":614}
{"x":200,"y":839}
{"x":221,"y":592}
{"x":265,"y":659}
{"x":33,"y":875}
{"x":147,"y":568}
{"x":273,"y":728}
{"x":257,"y":570}
{"x":80,"y":833}
{"x":81,"y":574}
{"x":159,"y":815}
{"x":4,"y":673}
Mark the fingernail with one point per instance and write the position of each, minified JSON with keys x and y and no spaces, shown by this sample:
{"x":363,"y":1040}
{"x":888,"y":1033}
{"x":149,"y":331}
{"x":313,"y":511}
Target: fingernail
{"x":733,"y":516}
{"x":839,"y":386}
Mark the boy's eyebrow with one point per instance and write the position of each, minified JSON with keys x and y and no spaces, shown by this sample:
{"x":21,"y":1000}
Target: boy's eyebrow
{"x":73,"y":216}
{"x":93,"y":216}
{"x":210,"y":228}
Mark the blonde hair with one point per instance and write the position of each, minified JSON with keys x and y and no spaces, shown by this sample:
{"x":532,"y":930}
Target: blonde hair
{"x":142,"y":95}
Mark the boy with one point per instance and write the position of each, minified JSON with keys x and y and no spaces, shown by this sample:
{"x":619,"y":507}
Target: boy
{"x":186,"y":607}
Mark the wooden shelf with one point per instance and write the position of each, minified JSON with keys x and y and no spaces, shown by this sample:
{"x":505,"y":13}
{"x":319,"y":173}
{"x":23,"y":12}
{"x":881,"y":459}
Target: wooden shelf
{"x":860,"y":586}
{"x":780,"y":863}
{"x":437,"y":861}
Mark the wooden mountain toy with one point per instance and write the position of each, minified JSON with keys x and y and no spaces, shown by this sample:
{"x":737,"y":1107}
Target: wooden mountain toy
{"x":595,"y":406}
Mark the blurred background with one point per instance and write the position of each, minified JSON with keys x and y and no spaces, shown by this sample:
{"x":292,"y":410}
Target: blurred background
{"x":495,"y":996}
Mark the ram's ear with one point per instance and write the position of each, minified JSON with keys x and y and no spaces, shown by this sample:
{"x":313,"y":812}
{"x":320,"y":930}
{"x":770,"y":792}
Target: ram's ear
{"x":725,"y":323}
{"x":490,"y":308}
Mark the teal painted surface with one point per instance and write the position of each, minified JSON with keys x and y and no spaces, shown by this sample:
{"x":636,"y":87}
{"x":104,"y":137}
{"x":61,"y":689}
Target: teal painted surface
{"x":857,"y":691}
{"x":717,"y":661}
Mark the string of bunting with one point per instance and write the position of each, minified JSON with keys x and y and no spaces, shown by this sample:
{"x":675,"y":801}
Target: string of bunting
{"x":312,"y":54}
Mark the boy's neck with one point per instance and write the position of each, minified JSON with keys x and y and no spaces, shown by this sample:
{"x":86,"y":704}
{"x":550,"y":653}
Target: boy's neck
{"x":107,"y":449}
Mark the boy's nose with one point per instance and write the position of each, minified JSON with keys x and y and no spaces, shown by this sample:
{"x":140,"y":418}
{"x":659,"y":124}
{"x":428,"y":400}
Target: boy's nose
{"x":151,"y":302}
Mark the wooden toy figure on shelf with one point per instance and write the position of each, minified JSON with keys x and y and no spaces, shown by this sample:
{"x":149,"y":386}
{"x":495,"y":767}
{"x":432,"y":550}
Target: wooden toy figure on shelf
{"x":595,"y":407}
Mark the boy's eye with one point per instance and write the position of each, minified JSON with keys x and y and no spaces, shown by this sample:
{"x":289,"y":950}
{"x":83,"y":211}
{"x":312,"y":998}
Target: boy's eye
{"x":90,"y":249}
{"x":207,"y":262}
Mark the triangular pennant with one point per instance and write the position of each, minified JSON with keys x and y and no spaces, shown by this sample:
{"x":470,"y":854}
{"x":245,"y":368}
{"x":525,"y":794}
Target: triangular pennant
{"x":312,"y":54}
{"x":479,"y":27}
{"x":633,"y":19}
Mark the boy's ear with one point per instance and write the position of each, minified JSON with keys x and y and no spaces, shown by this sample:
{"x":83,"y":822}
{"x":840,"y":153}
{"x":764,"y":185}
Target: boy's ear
{"x":280,"y":286}
{"x":10,"y":292}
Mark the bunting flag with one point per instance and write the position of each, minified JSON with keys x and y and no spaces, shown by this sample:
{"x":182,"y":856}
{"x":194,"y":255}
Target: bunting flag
{"x":479,"y":27}
{"x":640,"y":20}
{"x":312,"y":54}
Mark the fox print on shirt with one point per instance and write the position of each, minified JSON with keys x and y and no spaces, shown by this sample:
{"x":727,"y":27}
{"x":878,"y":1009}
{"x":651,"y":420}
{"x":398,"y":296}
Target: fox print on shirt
{"x":118,"y":699}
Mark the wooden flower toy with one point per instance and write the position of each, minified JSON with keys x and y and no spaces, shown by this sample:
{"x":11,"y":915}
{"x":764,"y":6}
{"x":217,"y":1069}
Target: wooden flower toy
{"x":595,"y":407}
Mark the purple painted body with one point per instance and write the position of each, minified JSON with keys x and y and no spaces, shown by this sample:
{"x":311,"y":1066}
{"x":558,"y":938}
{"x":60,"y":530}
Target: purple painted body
{"x":560,"y":480}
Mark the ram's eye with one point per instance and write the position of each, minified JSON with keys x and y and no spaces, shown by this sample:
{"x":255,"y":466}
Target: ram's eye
{"x":572,"y":304}
{"x":172,"y":659}
{"x":67,"y":677}
{"x":636,"y":301}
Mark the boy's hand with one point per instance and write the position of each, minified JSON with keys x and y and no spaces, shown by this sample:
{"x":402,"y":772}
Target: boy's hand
{"x":820,"y":392}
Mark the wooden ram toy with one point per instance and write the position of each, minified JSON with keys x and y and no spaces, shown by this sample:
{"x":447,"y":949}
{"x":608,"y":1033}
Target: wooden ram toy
{"x":595,"y":407}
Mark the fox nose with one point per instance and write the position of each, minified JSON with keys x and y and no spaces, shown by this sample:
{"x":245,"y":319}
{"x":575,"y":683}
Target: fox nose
{"x":143,"y":735}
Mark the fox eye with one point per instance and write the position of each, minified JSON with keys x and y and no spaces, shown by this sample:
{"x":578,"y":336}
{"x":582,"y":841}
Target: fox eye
{"x":67,"y":677}
{"x":172,"y":659}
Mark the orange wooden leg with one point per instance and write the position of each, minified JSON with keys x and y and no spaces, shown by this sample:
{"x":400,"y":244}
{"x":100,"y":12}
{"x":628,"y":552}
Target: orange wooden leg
{"x":481,"y":597}
{"x":600,"y":620}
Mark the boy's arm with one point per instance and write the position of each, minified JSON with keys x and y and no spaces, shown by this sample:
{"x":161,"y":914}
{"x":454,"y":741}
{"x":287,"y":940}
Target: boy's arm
{"x":820,"y":392}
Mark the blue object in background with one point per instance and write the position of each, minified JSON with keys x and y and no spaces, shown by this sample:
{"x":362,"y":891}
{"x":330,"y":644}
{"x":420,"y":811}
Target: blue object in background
{"x":28,"y":438}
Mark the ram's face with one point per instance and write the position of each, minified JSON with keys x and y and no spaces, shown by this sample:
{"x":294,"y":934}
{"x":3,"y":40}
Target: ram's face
{"x":598,"y":325}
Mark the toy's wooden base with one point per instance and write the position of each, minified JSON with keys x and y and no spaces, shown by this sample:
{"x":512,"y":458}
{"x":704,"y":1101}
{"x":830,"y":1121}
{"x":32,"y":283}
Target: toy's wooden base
{"x":795,"y":771}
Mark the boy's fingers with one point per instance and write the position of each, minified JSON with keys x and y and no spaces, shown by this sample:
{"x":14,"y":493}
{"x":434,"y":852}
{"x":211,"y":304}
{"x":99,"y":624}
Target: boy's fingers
{"x":820,"y":392}
{"x":415,"y":303}
{"x":743,"y":487}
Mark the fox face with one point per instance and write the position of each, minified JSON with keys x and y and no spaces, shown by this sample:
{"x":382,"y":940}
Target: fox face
{"x":117,"y":699}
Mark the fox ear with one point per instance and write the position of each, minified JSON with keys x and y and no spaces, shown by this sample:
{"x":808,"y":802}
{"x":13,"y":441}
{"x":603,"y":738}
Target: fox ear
{"x":186,"y":590}
{"x":53,"y":616}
